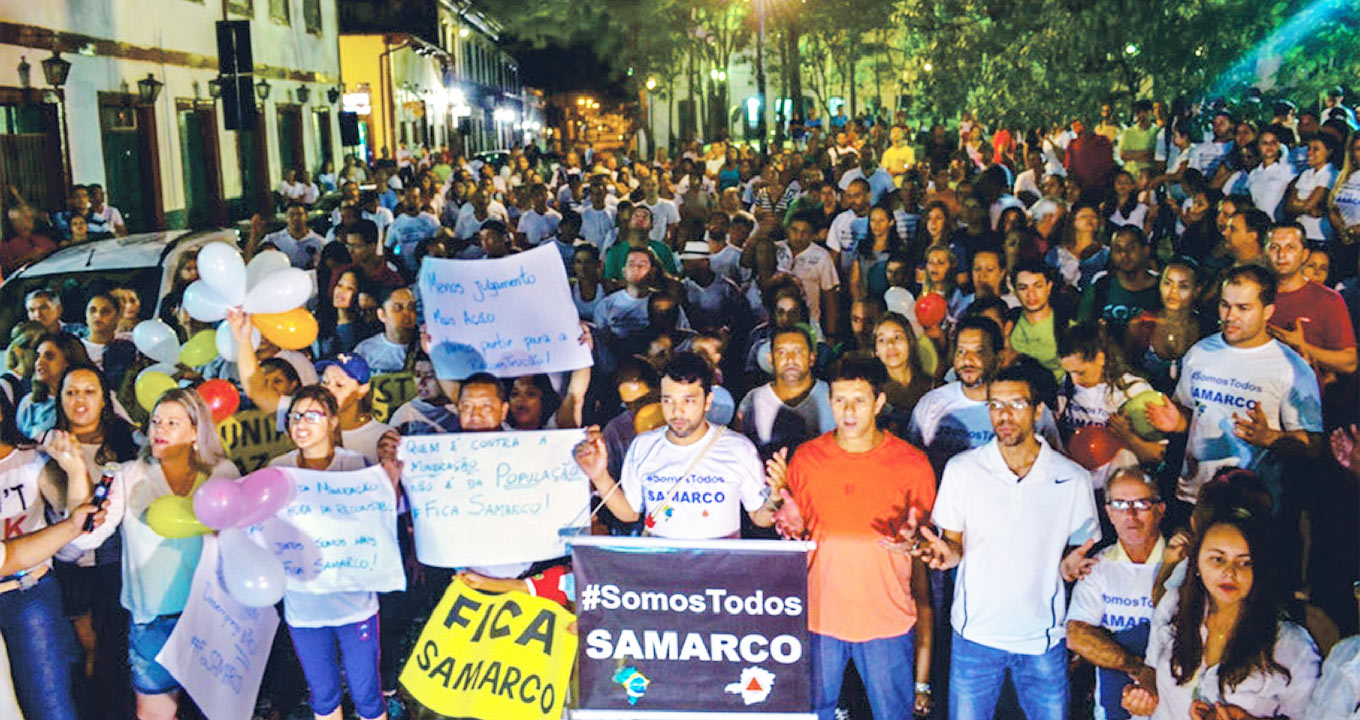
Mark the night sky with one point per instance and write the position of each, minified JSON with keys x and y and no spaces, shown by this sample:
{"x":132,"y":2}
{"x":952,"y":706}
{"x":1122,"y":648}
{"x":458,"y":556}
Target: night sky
{"x":558,"y":69}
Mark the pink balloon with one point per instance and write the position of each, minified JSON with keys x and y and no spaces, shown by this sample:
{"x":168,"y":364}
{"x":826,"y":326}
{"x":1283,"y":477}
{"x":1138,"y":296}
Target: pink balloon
{"x":263,"y":494}
{"x":218,"y":503}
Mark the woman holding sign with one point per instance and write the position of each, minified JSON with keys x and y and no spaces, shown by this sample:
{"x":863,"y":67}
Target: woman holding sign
{"x":158,"y":571}
{"x":345,"y":621}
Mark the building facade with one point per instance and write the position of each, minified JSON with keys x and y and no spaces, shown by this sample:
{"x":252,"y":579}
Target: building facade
{"x":138,"y":111}
{"x":431,"y":73}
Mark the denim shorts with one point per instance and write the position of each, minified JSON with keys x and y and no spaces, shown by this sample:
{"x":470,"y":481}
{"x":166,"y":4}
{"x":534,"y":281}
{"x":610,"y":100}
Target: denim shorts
{"x":144,"y":642}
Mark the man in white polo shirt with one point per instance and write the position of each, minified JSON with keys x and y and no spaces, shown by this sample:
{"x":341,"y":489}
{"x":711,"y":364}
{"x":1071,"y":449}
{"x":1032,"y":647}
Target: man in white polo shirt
{"x":690,"y":479}
{"x":1111,"y":610}
{"x":1007,"y":512}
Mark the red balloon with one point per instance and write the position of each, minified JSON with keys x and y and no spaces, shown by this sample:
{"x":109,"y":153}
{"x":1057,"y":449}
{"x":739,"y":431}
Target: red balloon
{"x":1093,"y":446}
{"x":221,"y":397}
{"x":930,"y":309}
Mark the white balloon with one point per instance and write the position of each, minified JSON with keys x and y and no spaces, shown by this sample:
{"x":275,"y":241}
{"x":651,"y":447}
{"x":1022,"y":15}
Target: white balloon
{"x":156,"y":340}
{"x":763,"y":357}
{"x":220,"y":265}
{"x":252,"y":574}
{"x":226,"y":342}
{"x":899,"y":300}
{"x":280,"y":292}
{"x":204,"y":303}
{"x":263,"y":265}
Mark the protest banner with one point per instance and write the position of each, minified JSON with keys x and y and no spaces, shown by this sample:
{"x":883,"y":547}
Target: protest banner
{"x":492,"y":656}
{"x":714,"y":627}
{"x":391,"y":391}
{"x":520,"y":488}
{"x":219,"y":647}
{"x":18,"y":491}
{"x":510,"y":316}
{"x":251,"y":438}
{"x":339,"y":533}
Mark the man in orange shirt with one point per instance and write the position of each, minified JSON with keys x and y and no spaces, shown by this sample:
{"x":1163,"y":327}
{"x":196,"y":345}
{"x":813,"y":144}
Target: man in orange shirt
{"x":849,"y":490}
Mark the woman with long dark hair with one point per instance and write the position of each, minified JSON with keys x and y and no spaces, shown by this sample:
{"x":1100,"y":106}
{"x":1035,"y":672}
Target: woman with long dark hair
{"x":37,"y":411}
{"x":338,"y":316}
{"x":184,"y":452}
{"x":883,"y":242}
{"x":40,"y":643}
{"x":1221,"y":647}
{"x":92,"y":578}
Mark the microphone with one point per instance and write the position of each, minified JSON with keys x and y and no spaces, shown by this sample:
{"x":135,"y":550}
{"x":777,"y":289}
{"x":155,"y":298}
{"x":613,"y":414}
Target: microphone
{"x":101,"y":494}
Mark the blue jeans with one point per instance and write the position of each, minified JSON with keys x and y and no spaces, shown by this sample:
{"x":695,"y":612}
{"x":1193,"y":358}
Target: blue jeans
{"x":885,"y":666}
{"x":977,"y":672}
{"x":358,"y":648}
{"x":41,"y":649}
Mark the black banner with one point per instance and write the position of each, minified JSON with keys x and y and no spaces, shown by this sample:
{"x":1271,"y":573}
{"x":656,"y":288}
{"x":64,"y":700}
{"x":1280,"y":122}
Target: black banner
{"x":708,"y":626}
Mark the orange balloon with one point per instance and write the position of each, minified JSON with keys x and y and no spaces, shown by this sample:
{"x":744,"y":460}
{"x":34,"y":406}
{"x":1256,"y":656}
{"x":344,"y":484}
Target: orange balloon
{"x":292,"y":330}
{"x":1092,"y":446}
{"x":648,"y":417}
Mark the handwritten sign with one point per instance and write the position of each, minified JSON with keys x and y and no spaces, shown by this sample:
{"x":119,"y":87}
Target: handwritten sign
{"x":219,"y":648}
{"x":251,"y":439}
{"x":510,"y":316}
{"x":493,"y":656}
{"x":339,"y":534}
{"x":520,"y":488}
{"x":391,"y":391}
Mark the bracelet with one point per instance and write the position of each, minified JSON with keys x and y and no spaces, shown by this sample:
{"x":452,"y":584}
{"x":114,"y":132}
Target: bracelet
{"x":922,"y":688}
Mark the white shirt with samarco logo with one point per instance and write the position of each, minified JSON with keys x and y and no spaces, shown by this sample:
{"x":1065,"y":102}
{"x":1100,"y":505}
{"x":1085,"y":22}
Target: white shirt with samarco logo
{"x":1218,"y":381}
{"x":708,"y":500}
{"x":946,"y":422}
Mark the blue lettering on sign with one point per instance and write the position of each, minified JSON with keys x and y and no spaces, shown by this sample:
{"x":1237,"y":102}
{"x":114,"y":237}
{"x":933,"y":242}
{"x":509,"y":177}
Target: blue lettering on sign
{"x":479,"y":318}
{"x":492,"y":288}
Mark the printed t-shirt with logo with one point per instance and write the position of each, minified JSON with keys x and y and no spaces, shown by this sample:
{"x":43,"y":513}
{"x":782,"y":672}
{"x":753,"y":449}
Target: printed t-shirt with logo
{"x":707,"y":502}
{"x":945,"y":422}
{"x":1117,"y":596}
{"x":857,"y":589}
{"x":1089,"y":406}
{"x":1218,"y":381}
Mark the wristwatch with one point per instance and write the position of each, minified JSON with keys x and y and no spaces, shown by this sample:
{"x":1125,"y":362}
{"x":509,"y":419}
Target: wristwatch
{"x":922,"y":688}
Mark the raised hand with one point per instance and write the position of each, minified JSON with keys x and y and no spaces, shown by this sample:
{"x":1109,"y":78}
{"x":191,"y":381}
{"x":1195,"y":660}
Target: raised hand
{"x":1164,"y":415}
{"x":387,"y":456}
{"x":592,"y":455}
{"x":777,"y":470}
{"x":1253,"y":428}
{"x":61,"y":446}
{"x":1076,"y":565}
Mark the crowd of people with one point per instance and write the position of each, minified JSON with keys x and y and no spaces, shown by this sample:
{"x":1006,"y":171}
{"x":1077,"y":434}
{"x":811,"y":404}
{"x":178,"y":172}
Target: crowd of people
{"x":1070,"y":412}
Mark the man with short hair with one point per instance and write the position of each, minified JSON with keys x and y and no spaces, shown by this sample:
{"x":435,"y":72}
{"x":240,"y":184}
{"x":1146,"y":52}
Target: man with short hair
{"x":597,"y":219}
{"x":22,"y":245}
{"x":296,"y":239}
{"x":1009,"y":514}
{"x":44,"y":307}
{"x":539,"y":223}
{"x":815,"y":270}
{"x":623,"y":312}
{"x":1310,"y":318}
{"x":411,"y":226}
{"x":1036,"y":330}
{"x":726,"y":259}
{"x":665,"y":214}
{"x":880,"y":181}
{"x":713,"y":301}
{"x":362,"y":242}
{"x":792,"y":408}
{"x":1208,"y":155}
{"x":370,"y":209}
{"x":1119,"y":295}
{"x":900,"y":155}
{"x":1247,"y":233}
{"x":851,"y":226}
{"x":845,"y":490}
{"x":1111,"y":609}
{"x":1335,"y":107}
{"x":1241,"y":393}
{"x":841,"y":149}
{"x":387,"y":351}
{"x":638,"y":235}
{"x":1138,"y":141}
{"x":104,"y":218}
{"x":689,"y":479}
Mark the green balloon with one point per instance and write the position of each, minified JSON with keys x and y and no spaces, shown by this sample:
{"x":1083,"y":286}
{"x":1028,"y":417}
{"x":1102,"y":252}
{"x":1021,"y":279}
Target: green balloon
{"x":150,"y":386}
{"x":1136,"y":411}
{"x":200,"y":350}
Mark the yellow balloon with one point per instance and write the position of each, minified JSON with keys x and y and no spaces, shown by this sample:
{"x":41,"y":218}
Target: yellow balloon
{"x":200,"y":350}
{"x":173,"y":516}
{"x":292,"y":330}
{"x":150,"y":386}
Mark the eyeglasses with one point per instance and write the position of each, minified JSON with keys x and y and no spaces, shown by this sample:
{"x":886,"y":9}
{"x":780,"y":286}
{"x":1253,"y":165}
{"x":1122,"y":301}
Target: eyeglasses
{"x":310,"y":417}
{"x":1139,"y":505}
{"x":999,"y":405}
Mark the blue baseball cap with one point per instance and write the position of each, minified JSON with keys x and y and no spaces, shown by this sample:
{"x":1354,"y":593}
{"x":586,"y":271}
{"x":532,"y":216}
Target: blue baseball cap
{"x":353,"y":365}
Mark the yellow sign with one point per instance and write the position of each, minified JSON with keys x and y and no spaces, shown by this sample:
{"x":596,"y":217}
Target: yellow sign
{"x":252,"y":438}
{"x":494,"y":657}
{"x":391,"y":391}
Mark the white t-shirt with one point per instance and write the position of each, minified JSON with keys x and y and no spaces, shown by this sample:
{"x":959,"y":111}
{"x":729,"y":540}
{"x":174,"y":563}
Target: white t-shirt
{"x":1026,"y":182}
{"x":664,"y":214}
{"x":1218,"y":381}
{"x":1008,"y":592}
{"x":621,"y":313}
{"x":382,"y":217}
{"x":1267,"y":185}
{"x":1116,"y":596}
{"x":1259,"y":694}
{"x":847,"y":231}
{"x":945,"y":422}
{"x":815,"y":270}
{"x":712,"y":306}
{"x":364,"y":439}
{"x":1317,"y":228}
{"x":727,"y":263}
{"x":95,"y":351}
{"x":297,"y":250}
{"x":302,"y":609}
{"x":707,"y":502}
{"x":597,"y":225}
{"x":1347,"y":200}
{"x":1136,"y":217}
{"x":1208,"y":155}
{"x":383,"y":355}
{"x":1087,"y":406}
{"x":538,"y":228}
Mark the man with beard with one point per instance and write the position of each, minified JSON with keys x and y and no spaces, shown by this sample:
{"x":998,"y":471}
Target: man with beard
{"x":689,"y":479}
{"x":1010,"y":513}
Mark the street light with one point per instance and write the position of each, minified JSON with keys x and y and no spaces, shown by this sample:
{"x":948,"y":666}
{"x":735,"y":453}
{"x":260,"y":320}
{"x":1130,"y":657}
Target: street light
{"x":262,"y":89}
{"x":333,"y":95}
{"x":148,"y":88}
{"x":55,"y":69}
{"x":651,"y":83}
{"x":304,"y":93}
{"x":215,"y":88}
